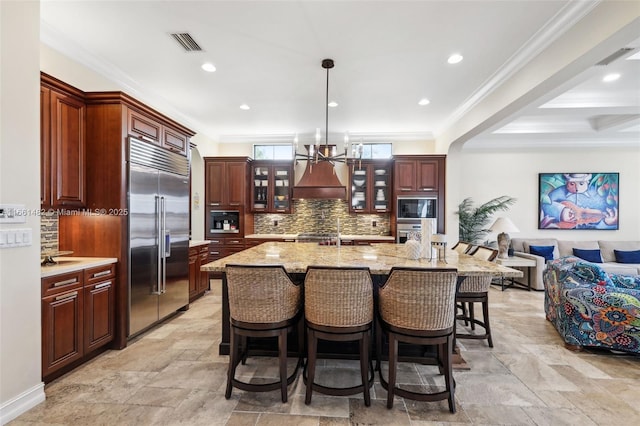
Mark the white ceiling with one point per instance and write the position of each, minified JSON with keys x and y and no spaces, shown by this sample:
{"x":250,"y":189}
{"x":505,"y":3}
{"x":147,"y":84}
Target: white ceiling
{"x":388,"y":55}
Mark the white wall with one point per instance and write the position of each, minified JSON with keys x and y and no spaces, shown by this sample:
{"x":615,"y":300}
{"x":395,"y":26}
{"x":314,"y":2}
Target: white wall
{"x":486,"y":175}
{"x":20,"y":362}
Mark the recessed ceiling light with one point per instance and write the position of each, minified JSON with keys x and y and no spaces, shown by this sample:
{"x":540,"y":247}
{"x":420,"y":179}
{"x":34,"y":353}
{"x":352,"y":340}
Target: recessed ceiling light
{"x":244,"y":107}
{"x":424,"y":101}
{"x":333,"y":104}
{"x":611,"y":77}
{"x":209,"y":67}
{"x":455,"y":58}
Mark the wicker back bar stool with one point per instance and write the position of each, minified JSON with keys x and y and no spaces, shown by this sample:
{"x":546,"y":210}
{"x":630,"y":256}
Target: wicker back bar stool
{"x":474,"y":290}
{"x":338,"y":306}
{"x":263,"y":302}
{"x":417,"y":306}
{"x":461,"y":247}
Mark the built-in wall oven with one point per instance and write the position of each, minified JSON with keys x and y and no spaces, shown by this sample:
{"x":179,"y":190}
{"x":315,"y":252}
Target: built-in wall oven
{"x":409,"y":214}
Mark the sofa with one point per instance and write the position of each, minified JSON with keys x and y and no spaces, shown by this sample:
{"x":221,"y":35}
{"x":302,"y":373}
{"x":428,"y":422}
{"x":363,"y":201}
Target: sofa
{"x":562,"y":248}
{"x":592,"y":308}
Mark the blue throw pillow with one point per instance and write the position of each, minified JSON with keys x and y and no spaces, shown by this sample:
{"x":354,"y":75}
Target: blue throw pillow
{"x":627,"y":256}
{"x":544,"y":251}
{"x":592,"y":256}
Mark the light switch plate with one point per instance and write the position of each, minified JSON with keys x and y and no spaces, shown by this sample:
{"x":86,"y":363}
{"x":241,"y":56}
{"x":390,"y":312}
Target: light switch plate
{"x":15,"y":237}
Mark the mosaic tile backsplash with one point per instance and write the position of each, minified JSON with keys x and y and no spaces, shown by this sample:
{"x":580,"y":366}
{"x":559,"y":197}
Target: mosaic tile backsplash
{"x":49,"y":232}
{"x":321,"y":216}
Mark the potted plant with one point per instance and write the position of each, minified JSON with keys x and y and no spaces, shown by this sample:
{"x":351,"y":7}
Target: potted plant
{"x":473,"y":220}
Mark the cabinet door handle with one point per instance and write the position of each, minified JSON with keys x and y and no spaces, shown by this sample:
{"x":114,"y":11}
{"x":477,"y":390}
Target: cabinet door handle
{"x":215,"y":253}
{"x":66,"y":282}
{"x":405,"y":189}
{"x":101,"y":274}
{"x":428,"y":189}
{"x":67,"y":296}
{"x":234,"y":242}
{"x":214,"y":204}
{"x":103,"y":285}
{"x":148,"y":139}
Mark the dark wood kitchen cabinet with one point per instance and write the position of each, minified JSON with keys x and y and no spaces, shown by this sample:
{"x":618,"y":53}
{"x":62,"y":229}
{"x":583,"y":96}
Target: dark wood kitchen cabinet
{"x":418,"y":174}
{"x":271,"y":184}
{"x":78,"y":317}
{"x":225,"y":181}
{"x":370,"y":187}
{"x":198,"y":280}
{"x":62,"y":144}
{"x":149,"y":129}
{"x":99,"y":306}
{"x":62,"y":321}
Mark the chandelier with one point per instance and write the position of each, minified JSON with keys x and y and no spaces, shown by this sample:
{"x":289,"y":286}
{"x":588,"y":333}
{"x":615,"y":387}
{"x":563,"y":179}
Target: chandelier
{"x":327,"y":152}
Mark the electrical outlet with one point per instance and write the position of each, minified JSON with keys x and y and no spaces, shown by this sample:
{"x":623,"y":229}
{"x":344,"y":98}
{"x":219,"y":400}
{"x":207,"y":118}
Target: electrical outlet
{"x":374,"y":224}
{"x":275,"y":223}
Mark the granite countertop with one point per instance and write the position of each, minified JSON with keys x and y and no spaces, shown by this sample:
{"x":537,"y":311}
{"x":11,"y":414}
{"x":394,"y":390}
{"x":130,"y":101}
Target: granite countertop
{"x":196,"y":243}
{"x":379,"y":258}
{"x":73,"y":264}
{"x":342,"y":237}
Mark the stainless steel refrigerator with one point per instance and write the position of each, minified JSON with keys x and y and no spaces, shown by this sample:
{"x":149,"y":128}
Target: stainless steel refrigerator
{"x":158,"y":234}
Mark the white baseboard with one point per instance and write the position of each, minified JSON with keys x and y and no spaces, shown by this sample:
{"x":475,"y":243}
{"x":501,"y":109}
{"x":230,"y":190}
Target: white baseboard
{"x":22,"y":403}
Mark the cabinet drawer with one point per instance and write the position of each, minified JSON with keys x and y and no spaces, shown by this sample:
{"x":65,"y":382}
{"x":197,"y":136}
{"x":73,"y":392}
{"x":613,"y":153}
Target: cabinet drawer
{"x":99,"y":273}
{"x":218,"y":242}
{"x":61,"y":283}
{"x":234,"y":242}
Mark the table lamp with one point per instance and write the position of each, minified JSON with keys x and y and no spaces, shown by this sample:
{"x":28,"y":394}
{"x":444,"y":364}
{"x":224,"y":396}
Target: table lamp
{"x":503,"y":225}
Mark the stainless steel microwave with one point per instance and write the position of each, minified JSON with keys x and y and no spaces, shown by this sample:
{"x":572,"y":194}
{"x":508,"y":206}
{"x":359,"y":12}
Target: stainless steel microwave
{"x":411,"y":208}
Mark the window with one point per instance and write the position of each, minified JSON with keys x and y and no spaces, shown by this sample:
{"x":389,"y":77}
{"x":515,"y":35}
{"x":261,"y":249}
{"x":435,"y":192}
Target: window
{"x":375,"y":150}
{"x":273,"y":152}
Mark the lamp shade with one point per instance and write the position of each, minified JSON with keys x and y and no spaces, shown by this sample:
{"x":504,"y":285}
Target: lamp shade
{"x":503,"y":224}
{"x":438,"y":238}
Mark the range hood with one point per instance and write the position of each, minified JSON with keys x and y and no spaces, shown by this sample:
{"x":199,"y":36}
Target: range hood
{"x":319,"y":181}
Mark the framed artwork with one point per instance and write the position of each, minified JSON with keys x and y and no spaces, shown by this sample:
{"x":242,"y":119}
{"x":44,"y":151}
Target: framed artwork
{"x":578,"y":200}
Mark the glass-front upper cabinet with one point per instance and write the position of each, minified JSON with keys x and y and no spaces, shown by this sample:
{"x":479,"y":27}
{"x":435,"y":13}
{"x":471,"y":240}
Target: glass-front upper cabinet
{"x":271,"y":187}
{"x":370,"y":187}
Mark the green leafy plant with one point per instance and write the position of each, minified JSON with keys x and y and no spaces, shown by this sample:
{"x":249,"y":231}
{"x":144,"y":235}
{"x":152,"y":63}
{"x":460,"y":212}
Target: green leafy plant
{"x":473,"y":220}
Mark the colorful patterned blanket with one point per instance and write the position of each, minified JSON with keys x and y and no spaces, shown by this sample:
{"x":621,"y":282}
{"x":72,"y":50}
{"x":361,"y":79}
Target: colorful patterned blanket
{"x":590,"y":307}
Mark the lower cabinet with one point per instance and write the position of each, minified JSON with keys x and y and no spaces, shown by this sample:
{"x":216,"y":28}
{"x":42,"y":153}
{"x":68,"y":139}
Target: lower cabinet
{"x":78,"y":310}
{"x":198,"y":280}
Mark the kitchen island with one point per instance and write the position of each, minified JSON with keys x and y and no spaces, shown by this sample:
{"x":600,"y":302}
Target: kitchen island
{"x":379,"y":258}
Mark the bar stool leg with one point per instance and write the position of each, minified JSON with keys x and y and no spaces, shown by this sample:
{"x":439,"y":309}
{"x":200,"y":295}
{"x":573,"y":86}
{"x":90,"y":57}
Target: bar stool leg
{"x":364,"y":367}
{"x":311,"y":364}
{"x":231,"y":371}
{"x":282,"y":355}
{"x":393,"y":352}
{"x":487,"y":327}
{"x":450,"y":385}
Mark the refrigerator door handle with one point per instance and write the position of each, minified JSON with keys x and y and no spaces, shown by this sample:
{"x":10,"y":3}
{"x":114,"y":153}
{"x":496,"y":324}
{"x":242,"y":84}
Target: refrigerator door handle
{"x":158,"y":289}
{"x":165,"y":242}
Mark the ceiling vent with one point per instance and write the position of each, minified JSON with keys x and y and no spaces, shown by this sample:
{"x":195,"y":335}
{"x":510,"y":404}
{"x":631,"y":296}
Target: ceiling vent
{"x":615,"y":56}
{"x":187,"y":42}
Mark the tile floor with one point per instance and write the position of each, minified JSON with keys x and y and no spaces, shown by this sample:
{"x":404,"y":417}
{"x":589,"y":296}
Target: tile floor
{"x":173,"y":375}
